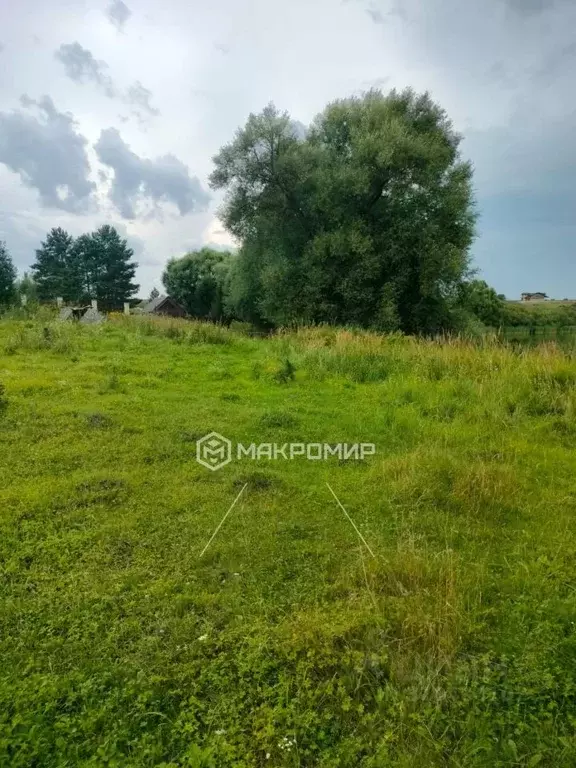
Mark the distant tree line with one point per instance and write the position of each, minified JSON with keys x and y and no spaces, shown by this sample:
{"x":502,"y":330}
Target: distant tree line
{"x":97,"y":265}
{"x":539,"y":315}
{"x":365,"y":219}
{"x":202,"y":281}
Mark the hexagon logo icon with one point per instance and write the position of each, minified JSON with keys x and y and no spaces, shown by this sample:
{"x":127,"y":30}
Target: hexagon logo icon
{"x":213,"y":451}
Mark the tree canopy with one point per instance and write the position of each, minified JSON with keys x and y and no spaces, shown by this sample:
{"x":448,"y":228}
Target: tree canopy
{"x":368,"y":219}
{"x":53,"y":270}
{"x":198,"y":282}
{"x":103,"y":267}
{"x":483,"y":302}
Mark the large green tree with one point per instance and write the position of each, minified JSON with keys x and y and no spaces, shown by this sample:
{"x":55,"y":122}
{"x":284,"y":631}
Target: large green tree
{"x":103,"y":269}
{"x":7,"y":277}
{"x":53,"y":270}
{"x":368,"y":219}
{"x":197,"y":281}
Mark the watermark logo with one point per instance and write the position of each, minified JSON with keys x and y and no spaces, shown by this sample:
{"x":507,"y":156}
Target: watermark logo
{"x":213,"y":451}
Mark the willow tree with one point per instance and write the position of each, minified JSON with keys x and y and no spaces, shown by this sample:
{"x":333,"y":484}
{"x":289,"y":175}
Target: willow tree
{"x":366,"y":219}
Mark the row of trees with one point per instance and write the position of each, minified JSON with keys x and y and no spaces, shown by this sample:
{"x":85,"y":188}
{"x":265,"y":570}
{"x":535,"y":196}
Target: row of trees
{"x":365,"y":218}
{"x":96,"y":265}
{"x":203,"y":282}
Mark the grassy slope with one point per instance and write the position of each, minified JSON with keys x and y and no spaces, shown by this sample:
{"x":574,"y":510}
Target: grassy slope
{"x":286,"y":644}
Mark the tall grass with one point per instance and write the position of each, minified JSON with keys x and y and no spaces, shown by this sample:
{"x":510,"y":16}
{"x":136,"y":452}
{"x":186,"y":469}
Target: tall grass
{"x":61,"y":338}
{"x":185,"y":331}
{"x":288,"y":644}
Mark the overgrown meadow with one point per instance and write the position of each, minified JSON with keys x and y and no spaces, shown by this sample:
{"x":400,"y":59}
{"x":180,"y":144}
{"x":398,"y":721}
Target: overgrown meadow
{"x":286,"y":644}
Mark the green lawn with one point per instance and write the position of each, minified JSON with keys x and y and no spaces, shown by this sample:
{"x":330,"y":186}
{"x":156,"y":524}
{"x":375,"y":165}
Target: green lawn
{"x":286,"y":644}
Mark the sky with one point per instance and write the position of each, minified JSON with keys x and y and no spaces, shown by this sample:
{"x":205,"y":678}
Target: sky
{"x":111,"y":112}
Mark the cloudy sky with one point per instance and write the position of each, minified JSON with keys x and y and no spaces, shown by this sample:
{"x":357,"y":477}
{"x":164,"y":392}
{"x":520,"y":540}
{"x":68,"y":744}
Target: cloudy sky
{"x":111,"y":111}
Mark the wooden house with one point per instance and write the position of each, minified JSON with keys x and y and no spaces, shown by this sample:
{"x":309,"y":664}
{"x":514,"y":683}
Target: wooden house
{"x":162,"y":305}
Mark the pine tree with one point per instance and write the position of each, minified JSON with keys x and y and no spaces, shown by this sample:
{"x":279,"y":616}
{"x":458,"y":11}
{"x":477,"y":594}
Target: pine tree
{"x":85,"y":267}
{"x":53,"y":270}
{"x":94,"y":266}
{"x":102,"y":259}
{"x":154,"y":293}
{"x":7,"y":277}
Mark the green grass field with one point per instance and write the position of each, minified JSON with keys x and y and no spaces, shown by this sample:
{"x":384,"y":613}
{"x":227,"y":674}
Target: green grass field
{"x":286,"y":644}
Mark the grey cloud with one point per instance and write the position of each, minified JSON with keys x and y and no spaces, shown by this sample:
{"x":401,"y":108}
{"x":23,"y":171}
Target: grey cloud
{"x":527,"y":155}
{"x":48,"y":154}
{"x":138,"y":179}
{"x":118,"y":13}
{"x":139,"y":96}
{"x":81,"y":66}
